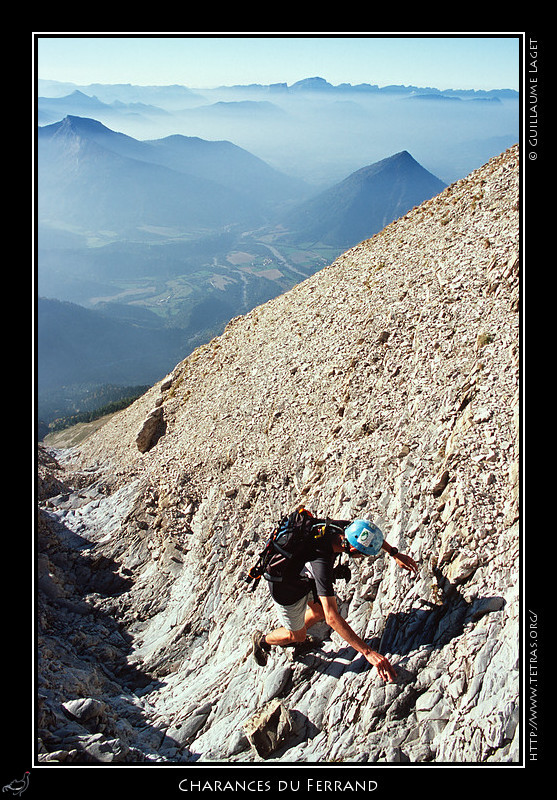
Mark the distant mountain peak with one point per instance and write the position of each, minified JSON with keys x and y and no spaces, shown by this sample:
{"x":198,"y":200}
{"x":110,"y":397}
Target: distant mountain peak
{"x":404,"y":155}
{"x":312,"y":84}
{"x":85,"y":127}
{"x":81,"y":124}
{"x":364,"y":202}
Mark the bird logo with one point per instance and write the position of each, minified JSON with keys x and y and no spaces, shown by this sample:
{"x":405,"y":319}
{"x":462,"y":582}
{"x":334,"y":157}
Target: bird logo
{"x":17,"y":787}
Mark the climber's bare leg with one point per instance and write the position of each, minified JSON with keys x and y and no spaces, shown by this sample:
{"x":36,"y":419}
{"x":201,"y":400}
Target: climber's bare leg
{"x":283,"y":637}
{"x":314,"y":614}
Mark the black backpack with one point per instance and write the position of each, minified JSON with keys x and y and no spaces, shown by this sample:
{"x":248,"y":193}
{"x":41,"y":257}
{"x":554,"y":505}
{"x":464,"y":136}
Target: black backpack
{"x":286,"y":542}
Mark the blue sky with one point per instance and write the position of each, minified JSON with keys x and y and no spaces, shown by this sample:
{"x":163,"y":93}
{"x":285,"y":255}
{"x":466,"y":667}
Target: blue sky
{"x":463,"y":61}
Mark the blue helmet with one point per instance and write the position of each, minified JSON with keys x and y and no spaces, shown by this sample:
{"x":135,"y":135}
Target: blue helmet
{"x":364,"y":536}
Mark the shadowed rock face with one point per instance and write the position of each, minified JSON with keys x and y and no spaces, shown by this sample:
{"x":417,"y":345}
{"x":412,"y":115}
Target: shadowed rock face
{"x":385,"y":386}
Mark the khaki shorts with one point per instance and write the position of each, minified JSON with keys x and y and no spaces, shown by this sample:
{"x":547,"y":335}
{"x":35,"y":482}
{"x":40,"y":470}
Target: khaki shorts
{"x":292,"y":617}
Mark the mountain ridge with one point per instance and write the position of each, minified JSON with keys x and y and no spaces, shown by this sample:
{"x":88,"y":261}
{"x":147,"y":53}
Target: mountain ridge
{"x":79,"y":345}
{"x":320,"y":135}
{"x":211,"y":160}
{"x":364,"y":202}
{"x":316,"y":83}
{"x":129,"y":188}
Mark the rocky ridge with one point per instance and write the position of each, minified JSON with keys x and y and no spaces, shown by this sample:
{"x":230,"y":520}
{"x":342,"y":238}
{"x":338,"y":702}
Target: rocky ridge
{"x":387,"y":386}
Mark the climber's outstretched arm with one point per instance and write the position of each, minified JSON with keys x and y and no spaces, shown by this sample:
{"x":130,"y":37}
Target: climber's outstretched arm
{"x":404,"y":561}
{"x":339,"y":624}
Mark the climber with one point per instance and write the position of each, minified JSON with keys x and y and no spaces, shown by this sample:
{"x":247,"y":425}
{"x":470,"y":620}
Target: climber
{"x":306,"y":596}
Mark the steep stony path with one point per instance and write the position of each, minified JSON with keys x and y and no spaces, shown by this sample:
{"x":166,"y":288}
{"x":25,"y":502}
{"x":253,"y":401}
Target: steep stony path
{"x":387,"y":385}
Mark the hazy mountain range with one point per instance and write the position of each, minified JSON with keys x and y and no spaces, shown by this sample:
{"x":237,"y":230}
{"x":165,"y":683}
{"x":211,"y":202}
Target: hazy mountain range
{"x":94,"y":178}
{"x":159,"y":241}
{"x":310,"y":129}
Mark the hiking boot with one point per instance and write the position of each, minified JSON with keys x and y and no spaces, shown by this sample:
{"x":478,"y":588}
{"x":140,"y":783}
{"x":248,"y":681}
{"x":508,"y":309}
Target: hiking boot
{"x":301,"y":648}
{"x":260,"y":648}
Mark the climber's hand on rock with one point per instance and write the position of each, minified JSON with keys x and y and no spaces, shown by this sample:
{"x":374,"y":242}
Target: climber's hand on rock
{"x":384,"y":667}
{"x":406,"y":562}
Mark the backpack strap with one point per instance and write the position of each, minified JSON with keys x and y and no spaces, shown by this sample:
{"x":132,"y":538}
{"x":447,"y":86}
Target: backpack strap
{"x":319,"y":527}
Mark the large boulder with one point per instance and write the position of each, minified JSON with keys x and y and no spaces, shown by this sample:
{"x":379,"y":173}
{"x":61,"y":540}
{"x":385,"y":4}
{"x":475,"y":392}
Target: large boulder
{"x":154,"y":426}
{"x":269,"y":728}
